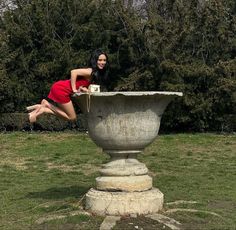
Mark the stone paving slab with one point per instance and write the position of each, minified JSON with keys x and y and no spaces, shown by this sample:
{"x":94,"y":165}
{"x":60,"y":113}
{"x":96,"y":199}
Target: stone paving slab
{"x":169,"y":222}
{"x":109,"y":222}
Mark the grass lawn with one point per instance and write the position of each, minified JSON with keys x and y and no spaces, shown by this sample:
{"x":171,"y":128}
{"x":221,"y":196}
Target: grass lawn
{"x":44,"y":176}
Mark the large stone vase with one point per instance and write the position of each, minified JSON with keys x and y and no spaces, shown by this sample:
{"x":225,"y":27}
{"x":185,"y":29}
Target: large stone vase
{"x":123,"y":124}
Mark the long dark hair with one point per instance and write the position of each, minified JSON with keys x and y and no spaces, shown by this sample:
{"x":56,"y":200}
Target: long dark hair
{"x":99,"y":76}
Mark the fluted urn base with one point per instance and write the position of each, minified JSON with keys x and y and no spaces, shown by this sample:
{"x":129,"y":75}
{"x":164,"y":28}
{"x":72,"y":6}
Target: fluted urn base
{"x":124,"y":203}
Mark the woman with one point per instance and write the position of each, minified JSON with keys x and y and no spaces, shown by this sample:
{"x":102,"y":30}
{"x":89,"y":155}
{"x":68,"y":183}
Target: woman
{"x":61,"y":91}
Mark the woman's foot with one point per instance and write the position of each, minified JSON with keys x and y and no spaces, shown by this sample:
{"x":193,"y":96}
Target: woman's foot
{"x":37,"y":106}
{"x":32,"y":117}
{"x":37,"y":111}
{"x":33,"y":107}
{"x":46,"y":104}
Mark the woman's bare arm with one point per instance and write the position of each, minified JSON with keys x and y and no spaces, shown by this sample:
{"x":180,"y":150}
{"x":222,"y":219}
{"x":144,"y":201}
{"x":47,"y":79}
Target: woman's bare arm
{"x":86,"y":73}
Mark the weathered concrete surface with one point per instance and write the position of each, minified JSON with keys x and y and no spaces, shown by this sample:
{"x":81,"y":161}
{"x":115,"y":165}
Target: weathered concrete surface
{"x":123,"y":167}
{"x":124,"y":120}
{"x":171,"y":223}
{"x":124,"y":203}
{"x":109,"y":222}
{"x":125,"y":183}
{"x":123,"y":124}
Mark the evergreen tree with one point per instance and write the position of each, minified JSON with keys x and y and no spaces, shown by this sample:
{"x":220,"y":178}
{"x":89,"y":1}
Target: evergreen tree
{"x":175,"y":45}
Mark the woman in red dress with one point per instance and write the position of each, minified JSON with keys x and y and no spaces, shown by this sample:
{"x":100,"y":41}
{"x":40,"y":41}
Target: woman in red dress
{"x":61,"y":91}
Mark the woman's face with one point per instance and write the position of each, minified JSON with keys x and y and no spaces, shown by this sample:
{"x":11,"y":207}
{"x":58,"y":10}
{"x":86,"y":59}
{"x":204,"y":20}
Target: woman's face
{"x":101,"y":62}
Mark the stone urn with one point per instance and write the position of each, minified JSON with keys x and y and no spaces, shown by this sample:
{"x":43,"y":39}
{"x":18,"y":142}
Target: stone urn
{"x":123,"y":124}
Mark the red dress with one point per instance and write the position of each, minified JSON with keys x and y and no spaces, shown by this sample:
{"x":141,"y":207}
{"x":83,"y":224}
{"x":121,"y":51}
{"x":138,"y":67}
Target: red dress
{"x":61,"y":91}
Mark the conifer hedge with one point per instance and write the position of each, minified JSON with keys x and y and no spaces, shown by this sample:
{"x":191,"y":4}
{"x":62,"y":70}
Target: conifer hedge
{"x":187,"y":45}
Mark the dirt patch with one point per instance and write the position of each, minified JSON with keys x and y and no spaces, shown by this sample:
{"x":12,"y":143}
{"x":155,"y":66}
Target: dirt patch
{"x":62,"y":167}
{"x":191,"y":210}
{"x":225,"y":205}
{"x":141,"y":223}
{"x":62,"y":136}
{"x":57,"y":217}
{"x":198,"y":220}
{"x":17,"y":163}
{"x":87,"y":169}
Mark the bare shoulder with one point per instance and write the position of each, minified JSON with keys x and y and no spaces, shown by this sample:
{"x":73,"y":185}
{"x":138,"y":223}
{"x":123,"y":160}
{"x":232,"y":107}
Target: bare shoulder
{"x":85,"y":72}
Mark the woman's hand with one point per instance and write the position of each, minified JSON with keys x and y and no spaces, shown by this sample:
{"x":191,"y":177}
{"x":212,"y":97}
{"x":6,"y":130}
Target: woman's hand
{"x":85,"y":73}
{"x":82,"y":89}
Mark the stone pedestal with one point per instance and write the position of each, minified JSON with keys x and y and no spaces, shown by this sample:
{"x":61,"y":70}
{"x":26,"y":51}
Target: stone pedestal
{"x":124,"y":203}
{"x":124,"y":188}
{"x":125,"y":183}
{"x":123,"y":124}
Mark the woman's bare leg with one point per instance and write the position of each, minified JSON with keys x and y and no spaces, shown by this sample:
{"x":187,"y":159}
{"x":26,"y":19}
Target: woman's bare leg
{"x":33,"y":107}
{"x":65,"y":111}
{"x":34,"y":114}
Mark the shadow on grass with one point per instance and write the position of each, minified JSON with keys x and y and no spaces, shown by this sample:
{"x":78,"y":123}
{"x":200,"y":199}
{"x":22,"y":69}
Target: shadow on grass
{"x":60,"y":192}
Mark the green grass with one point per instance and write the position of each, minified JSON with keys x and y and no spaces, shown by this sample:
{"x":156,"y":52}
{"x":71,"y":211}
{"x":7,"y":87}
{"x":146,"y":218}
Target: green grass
{"x":47,"y":174}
